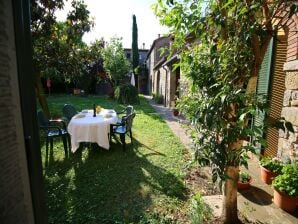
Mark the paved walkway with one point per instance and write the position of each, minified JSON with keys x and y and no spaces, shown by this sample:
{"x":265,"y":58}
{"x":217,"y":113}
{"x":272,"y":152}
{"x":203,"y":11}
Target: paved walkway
{"x":174,"y":122}
{"x":255,"y":203}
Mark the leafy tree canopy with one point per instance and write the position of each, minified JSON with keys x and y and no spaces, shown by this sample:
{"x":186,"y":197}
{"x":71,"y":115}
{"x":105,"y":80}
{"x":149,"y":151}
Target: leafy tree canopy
{"x":221,"y":44}
{"x":115,"y":62}
{"x":57,"y":46}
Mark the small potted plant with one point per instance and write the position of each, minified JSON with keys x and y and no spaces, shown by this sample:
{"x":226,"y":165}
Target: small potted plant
{"x":175,"y":112}
{"x":285,"y":188}
{"x":244,"y":180}
{"x":270,"y":168}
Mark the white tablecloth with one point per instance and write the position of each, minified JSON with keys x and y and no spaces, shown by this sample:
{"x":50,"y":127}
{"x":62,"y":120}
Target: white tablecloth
{"x":86,"y":128}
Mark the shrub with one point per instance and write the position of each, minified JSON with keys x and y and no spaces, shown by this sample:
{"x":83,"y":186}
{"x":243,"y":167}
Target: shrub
{"x":127,"y":94}
{"x":200,"y":211}
{"x":158,"y":98}
{"x":273,"y":165}
{"x":287,"y":182}
{"x":244,"y":177}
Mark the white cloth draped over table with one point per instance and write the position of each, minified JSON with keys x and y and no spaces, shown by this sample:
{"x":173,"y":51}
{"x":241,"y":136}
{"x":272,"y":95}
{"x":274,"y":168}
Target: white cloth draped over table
{"x":86,"y":128}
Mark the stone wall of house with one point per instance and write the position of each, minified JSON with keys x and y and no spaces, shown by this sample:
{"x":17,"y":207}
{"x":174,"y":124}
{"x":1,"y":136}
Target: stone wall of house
{"x":150,"y":64}
{"x":173,"y":88}
{"x":15,"y":195}
{"x":288,"y":141}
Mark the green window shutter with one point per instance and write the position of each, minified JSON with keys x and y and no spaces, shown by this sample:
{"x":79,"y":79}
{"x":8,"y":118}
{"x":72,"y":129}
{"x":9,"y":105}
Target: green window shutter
{"x":264,"y":74}
{"x":263,"y":83}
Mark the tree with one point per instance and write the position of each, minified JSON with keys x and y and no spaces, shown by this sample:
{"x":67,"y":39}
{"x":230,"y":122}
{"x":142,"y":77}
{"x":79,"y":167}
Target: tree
{"x":42,"y":19}
{"x":56,"y":45}
{"x":222,"y":45}
{"x":96,"y":69}
{"x":115,"y":62}
{"x":135,"y":49}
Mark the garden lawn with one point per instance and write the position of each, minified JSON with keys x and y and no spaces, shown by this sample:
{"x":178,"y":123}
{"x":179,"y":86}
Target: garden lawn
{"x":144,"y":184}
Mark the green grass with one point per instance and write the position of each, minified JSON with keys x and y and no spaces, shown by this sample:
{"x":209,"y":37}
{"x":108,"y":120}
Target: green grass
{"x":144,"y":184}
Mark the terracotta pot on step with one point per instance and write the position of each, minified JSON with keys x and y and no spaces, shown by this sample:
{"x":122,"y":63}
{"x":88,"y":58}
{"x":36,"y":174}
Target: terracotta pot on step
{"x":284,"y":201}
{"x":175,"y":112}
{"x":243,"y":185}
{"x":267,"y":176}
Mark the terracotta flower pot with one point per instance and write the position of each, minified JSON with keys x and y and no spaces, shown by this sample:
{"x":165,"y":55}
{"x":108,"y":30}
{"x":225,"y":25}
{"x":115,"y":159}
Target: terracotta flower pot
{"x":284,"y":201}
{"x":243,"y":185}
{"x":76,"y":91}
{"x":267,"y":176}
{"x":175,"y":112}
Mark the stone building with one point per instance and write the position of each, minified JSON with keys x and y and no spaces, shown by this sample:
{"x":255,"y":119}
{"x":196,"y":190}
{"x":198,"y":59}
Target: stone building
{"x":278,"y":80}
{"x":163,"y":79}
{"x":143,"y":72}
{"x":288,"y":141}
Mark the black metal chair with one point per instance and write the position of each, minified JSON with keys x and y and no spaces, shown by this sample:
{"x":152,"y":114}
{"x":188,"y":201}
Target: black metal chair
{"x":123,"y":128}
{"x":126,"y":111}
{"x":68,"y":111}
{"x":52,"y":129}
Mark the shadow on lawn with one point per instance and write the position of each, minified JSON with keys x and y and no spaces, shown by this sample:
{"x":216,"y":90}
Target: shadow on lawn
{"x":99,"y":186}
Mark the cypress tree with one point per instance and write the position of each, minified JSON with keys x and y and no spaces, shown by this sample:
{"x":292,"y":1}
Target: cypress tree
{"x":135,"y":49}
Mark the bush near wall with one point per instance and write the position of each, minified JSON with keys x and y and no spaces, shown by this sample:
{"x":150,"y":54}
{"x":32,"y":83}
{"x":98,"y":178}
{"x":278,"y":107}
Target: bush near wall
{"x":127,"y":94}
{"x":157,"y":98}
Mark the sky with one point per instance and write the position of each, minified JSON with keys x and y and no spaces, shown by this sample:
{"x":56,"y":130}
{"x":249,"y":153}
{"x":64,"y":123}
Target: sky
{"x":114,"y":18}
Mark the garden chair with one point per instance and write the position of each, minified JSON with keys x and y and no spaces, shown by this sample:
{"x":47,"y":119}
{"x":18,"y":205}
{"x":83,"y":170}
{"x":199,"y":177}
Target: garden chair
{"x":123,"y":128}
{"x":52,"y":129}
{"x":127,"y":111}
{"x":69,"y":111}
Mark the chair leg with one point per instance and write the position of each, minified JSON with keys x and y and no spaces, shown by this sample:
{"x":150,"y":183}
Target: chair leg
{"x":122,"y":138}
{"x":111,"y":133}
{"x":69,"y":142}
{"x":51,"y":157}
{"x":51,"y":145}
{"x":47,"y":151}
{"x":47,"y":146}
{"x":64,"y":145}
{"x":130,"y":132}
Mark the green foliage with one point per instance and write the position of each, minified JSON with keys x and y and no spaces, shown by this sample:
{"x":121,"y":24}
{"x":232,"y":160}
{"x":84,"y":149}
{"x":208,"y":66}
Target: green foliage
{"x":225,"y":41}
{"x":158,"y":98}
{"x":135,"y":47}
{"x":287,"y":182}
{"x":244,"y":177}
{"x":273,"y":165}
{"x":283,"y":125}
{"x":200,"y":211}
{"x":115,"y":62}
{"x":58,"y":45}
{"x":127,"y":94}
{"x":221,"y":46}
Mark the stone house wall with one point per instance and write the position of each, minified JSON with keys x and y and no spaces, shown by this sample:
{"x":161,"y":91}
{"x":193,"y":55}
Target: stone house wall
{"x":15,"y":192}
{"x":157,"y":73}
{"x":288,"y":141}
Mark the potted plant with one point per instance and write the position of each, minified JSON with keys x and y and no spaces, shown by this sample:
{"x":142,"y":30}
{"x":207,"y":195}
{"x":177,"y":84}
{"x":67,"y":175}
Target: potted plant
{"x":285,"y":187}
{"x":175,"y":112}
{"x":244,"y":180}
{"x":270,"y":168}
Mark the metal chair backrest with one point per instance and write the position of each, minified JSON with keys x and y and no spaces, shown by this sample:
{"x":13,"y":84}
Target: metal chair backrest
{"x":128,"y":120}
{"x":43,"y":121}
{"x":129,"y":110}
{"x":69,"y":111}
